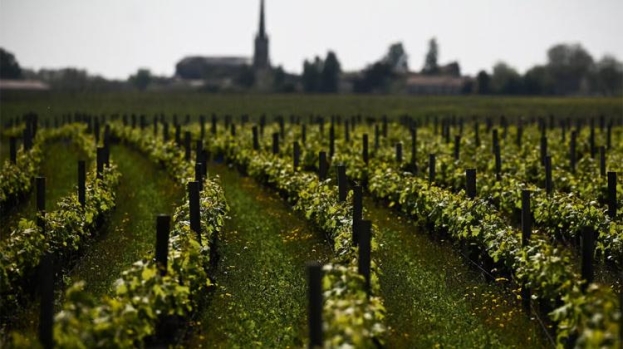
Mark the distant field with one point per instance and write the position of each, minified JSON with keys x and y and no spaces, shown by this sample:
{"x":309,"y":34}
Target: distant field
{"x":194,"y":103}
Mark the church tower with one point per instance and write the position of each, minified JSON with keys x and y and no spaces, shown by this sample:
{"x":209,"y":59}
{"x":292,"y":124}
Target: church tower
{"x":260,"y":56}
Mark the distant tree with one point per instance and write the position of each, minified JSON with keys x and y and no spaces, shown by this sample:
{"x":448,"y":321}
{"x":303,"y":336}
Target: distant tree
{"x":9,"y":67}
{"x":376,"y":78}
{"x":483,"y":83}
{"x":397,"y":58}
{"x":141,"y":79}
{"x":330,"y":75}
{"x":430,"y":66}
{"x":312,"y":75}
{"x":537,"y":81}
{"x":245,"y":77}
{"x":569,"y":66}
{"x":607,"y":76}
{"x":505,"y":80}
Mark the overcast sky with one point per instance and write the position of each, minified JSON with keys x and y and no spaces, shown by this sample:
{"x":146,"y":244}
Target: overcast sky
{"x":114,"y":38}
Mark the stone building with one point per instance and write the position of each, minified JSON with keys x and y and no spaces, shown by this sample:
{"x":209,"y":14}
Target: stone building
{"x":226,"y":71}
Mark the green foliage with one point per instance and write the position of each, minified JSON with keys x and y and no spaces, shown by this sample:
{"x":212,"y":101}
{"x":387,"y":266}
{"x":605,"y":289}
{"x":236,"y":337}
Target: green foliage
{"x":142,"y":295}
{"x":16,"y":179}
{"x":141,"y":79}
{"x":66,"y":228}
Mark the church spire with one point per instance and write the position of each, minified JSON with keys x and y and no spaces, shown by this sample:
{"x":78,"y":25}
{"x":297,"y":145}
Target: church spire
{"x":262,"y":32}
{"x":260,"y":56}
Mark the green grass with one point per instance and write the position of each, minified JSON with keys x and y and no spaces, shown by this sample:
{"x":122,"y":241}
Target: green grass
{"x":260,"y":298}
{"x":194,"y":103}
{"x":144,"y":192}
{"x":434,"y":300}
{"x":60,"y":169}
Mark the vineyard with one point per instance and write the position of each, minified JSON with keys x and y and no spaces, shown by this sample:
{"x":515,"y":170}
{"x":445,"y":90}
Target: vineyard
{"x":461,"y":224}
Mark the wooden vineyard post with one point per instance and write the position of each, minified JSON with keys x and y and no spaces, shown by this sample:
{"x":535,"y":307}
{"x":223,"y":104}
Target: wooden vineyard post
{"x":357,"y":212}
{"x":13,"y":149}
{"x":365,"y":236}
{"x":431,"y":168}
{"x":548,"y":174}
{"x":470,"y":183}
{"x":572,"y":155}
{"x":96,"y":129}
{"x":494,"y":142}
{"x":165,"y":131}
{"x":194,"y":188}
{"x":519,"y":135}
{"x":133,"y":121}
{"x":276,"y":143}
{"x":612,"y":194}
{"x":526,"y":232}
{"x":588,"y":250}
{"x":100,"y":162}
{"x":256,"y":140}
{"x":187,"y":145}
{"x":296,"y":149}
{"x":199,"y":151}
{"x":232,"y":130}
{"x":365,"y":149}
{"x":178,"y":134}
{"x":414,"y":149}
{"x":477,"y":134}
{"x":342,"y":183}
{"x":314,"y":295}
{"x":602,"y":161}
{"x":155,"y":123}
{"x":376,"y":137}
{"x":457,"y":147}
{"x":199,"y":174}
{"x":543,"y":149}
{"x":27,"y":139}
{"x":304,"y":133}
{"x":46,"y":309}
{"x":213,"y":127}
{"x":143,"y":122}
{"x":322,"y":165}
{"x":163,"y":226}
{"x":346,"y":131}
{"x":82,"y":176}
{"x":399,"y":152}
{"x":331,"y":141}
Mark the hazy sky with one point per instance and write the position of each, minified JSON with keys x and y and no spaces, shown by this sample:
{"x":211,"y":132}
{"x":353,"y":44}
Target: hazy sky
{"x":114,"y":38}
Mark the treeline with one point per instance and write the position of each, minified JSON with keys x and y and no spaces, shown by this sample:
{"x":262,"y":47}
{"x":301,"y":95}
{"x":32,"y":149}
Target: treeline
{"x":570,"y":70}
